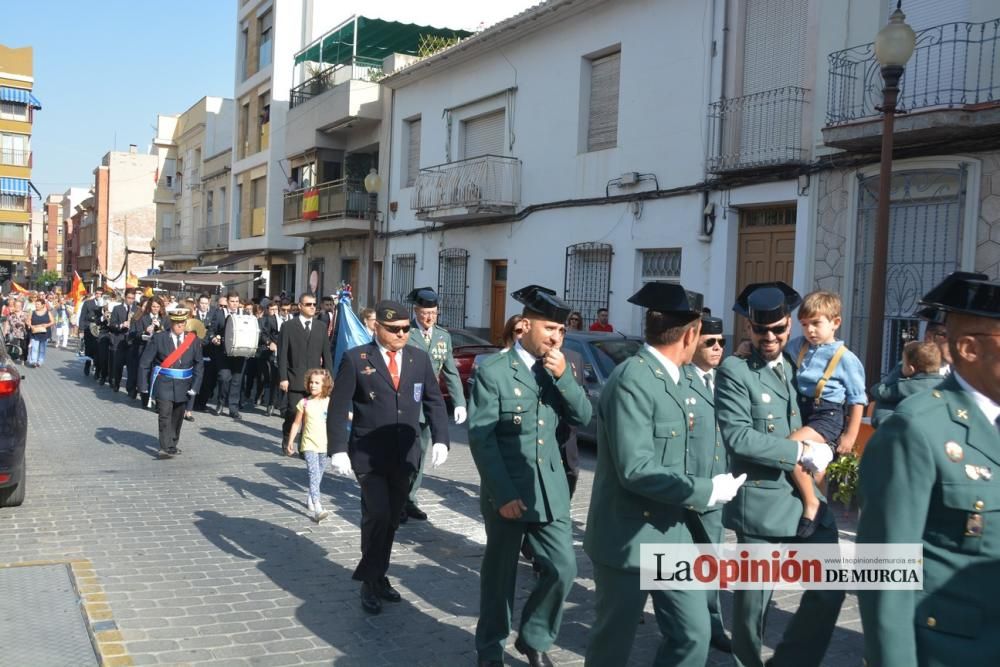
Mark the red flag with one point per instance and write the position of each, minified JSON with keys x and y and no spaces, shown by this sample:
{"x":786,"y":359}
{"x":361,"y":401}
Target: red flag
{"x":14,"y":287}
{"x":77,"y":291}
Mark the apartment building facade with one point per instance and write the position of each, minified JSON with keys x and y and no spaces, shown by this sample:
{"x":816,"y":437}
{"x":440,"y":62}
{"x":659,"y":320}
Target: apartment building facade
{"x":17,"y":110}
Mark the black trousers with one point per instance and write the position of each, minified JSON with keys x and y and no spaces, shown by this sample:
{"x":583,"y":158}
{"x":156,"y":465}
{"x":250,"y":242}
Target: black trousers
{"x":267,"y":390}
{"x":132,"y":364}
{"x":90,"y":348}
{"x":383,"y":494}
{"x":104,"y":357}
{"x":119,"y":358}
{"x":170,"y":418}
{"x":213,"y":354}
{"x":230,"y":382}
{"x":292,"y":399}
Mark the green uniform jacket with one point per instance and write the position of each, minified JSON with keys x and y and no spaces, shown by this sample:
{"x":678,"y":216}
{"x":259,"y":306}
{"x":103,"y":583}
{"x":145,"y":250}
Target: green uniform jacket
{"x":641,"y":484}
{"x":757,"y":412}
{"x":931,"y":475}
{"x":890,"y":392}
{"x":512,"y":435}
{"x":442,"y":361}
{"x":706,"y":455}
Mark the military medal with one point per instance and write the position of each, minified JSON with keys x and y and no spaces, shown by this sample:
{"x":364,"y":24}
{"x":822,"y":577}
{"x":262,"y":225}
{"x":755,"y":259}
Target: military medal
{"x":962,"y":414}
{"x":517,"y":391}
{"x":691,"y":421}
{"x":972,"y":472}
{"x":985,"y":473}
{"x":517,"y":420}
{"x":765,"y":397}
{"x":953,"y":451}
{"x":974,"y":525}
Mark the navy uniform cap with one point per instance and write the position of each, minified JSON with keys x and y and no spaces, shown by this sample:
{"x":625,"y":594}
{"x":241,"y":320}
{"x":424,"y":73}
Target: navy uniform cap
{"x":425,"y":297}
{"x":669,"y":299}
{"x":931,"y":314}
{"x":543,"y":301}
{"x":178,"y":314}
{"x":390,"y":311}
{"x":959,"y":293}
{"x":711,"y":325}
{"x":764,"y":303}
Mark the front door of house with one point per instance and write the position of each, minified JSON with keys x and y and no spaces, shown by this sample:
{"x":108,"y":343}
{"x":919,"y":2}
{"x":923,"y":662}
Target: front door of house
{"x":498,"y":300}
{"x":766,"y":250}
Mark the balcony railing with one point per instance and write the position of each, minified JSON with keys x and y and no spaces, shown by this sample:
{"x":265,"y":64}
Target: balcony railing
{"x":953,"y":65}
{"x":758,"y":131}
{"x":337,"y":199}
{"x":214,"y":237}
{"x":487,"y":182}
{"x":18,"y":203}
{"x":360,"y":69}
{"x":172,"y":244}
{"x":15,"y":158}
{"x":13,"y":247}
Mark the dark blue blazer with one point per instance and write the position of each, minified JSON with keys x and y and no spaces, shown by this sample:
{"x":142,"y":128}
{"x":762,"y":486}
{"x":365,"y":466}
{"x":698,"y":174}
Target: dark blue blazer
{"x":372,"y":421}
{"x":167,"y":389}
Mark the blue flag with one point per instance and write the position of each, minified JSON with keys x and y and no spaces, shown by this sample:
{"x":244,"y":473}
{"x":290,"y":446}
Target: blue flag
{"x":350,"y":332}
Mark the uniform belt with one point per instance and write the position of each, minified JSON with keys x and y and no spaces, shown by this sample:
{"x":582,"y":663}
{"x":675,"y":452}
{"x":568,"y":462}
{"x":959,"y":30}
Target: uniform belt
{"x":172,"y":373}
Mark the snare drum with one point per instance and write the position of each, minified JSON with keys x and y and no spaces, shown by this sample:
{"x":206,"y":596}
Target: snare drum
{"x":242,"y":336}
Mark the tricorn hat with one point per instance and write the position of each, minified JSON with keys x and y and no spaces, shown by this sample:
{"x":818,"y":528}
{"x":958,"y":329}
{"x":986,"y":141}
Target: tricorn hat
{"x":711,"y":325}
{"x":669,"y":299}
{"x":764,"y":303}
{"x":966,"y":293}
{"x":424,"y":297}
{"x":543,"y":301}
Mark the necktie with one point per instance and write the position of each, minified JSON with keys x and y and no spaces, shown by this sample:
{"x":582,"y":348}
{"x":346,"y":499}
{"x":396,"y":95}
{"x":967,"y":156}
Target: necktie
{"x":779,"y":370}
{"x":308,"y":323}
{"x":708,"y":383}
{"x":541,"y":375}
{"x":177,"y":341}
{"x":393,"y":369}
{"x":427,"y":337}
{"x":329,"y":326}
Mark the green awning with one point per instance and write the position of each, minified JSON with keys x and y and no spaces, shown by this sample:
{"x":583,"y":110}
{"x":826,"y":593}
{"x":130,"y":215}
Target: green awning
{"x":376,"y":39}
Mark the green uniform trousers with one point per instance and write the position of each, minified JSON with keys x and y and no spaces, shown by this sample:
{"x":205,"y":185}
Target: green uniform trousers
{"x":807,"y":635}
{"x":542,"y":613}
{"x":681,"y":616}
{"x":418,"y":476}
{"x":712,"y":522}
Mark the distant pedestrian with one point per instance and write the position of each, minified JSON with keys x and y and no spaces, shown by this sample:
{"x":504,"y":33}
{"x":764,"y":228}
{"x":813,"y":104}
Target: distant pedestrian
{"x":368,"y":317}
{"x":41,"y":322}
{"x":602,"y":323}
{"x":62,"y":313}
{"x":575,"y":321}
{"x":310,"y":419}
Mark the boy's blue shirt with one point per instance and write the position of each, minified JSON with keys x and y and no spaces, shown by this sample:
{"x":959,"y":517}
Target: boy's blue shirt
{"x":846,"y":385}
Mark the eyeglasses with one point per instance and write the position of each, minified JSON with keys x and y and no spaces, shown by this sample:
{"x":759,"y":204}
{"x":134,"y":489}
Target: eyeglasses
{"x":311,"y":304}
{"x":403,"y":328}
{"x":762,"y":330}
{"x":712,"y":342}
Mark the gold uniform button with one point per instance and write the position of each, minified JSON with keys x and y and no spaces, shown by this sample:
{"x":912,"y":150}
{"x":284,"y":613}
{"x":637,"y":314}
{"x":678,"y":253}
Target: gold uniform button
{"x":931,"y":622}
{"x":979,"y":505}
{"x":673,"y":434}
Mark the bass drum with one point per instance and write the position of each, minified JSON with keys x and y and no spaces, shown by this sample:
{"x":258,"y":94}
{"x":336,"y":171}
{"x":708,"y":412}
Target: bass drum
{"x":242,"y":336}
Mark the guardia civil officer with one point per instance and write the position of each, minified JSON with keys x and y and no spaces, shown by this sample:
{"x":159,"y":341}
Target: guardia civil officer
{"x":756,"y":408}
{"x":516,"y":403}
{"x":706,"y":454}
{"x":433,"y":339}
{"x":373,"y":427}
{"x":645,"y":489}
{"x":931,"y":475}
{"x":174,"y":357}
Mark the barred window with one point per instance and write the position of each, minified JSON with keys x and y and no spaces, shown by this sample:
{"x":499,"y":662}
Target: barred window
{"x":403,"y":269}
{"x":661,"y":264}
{"x":587,"y":284}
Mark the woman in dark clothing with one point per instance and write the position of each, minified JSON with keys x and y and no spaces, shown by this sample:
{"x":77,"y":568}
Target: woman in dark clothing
{"x":41,"y":322}
{"x":143,"y":328}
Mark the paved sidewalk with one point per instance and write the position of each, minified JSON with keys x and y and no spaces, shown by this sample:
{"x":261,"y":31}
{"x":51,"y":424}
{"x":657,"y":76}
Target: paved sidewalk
{"x":209,"y":558}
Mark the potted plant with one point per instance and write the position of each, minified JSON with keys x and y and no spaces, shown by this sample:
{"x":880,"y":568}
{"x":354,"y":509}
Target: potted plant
{"x":842,"y":475}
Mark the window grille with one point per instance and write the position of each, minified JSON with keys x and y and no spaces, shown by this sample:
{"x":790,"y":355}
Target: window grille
{"x":587,"y":285}
{"x":452,"y":267}
{"x":661,"y":264}
{"x":403,"y":270}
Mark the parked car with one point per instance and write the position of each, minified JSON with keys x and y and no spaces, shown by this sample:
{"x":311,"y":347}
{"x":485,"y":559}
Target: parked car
{"x":466,"y":346}
{"x":13,"y":432}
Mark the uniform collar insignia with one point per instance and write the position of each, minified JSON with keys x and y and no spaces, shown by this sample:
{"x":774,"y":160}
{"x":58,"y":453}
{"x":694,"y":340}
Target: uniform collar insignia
{"x":962,"y":414}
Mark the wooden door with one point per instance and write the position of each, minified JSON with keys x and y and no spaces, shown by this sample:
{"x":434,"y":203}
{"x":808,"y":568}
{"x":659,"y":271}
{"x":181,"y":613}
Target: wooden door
{"x":766,"y":251}
{"x":498,"y":299}
{"x":349,"y":274}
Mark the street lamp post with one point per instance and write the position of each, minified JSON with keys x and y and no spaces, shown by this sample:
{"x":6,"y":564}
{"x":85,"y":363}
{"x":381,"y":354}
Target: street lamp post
{"x":373,"y":183}
{"x":893,"y":47}
{"x":153,"y":244}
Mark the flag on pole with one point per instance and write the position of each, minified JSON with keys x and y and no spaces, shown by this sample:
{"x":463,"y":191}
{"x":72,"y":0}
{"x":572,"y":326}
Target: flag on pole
{"x":310,"y":204}
{"x":17,"y":289}
{"x":77,"y":291}
{"x":351,"y":331}
{"x":132,"y":280}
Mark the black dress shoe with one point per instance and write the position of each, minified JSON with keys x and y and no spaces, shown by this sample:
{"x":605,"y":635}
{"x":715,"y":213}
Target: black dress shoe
{"x":385,"y":591}
{"x":534,"y":657}
{"x":403,"y":517}
{"x":270,"y":410}
{"x":236,"y":415}
{"x":415,"y":512}
{"x":722,"y":642}
{"x":174,"y":451}
{"x":163,"y":454}
{"x":189,"y":418}
{"x":489,"y":663}
{"x":369,"y":600}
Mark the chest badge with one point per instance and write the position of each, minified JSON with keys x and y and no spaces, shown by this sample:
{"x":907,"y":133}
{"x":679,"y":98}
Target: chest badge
{"x":974,"y":525}
{"x":363,"y":355}
{"x":517,"y":420}
{"x":517,"y":391}
{"x":953,"y":451}
{"x":962,"y":414}
{"x":367,"y":371}
{"x":371,"y":395}
{"x":972,"y":472}
{"x":765,"y":397}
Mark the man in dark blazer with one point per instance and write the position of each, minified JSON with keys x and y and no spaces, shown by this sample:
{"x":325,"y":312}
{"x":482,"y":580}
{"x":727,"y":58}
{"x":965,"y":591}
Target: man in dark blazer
{"x":118,"y":327}
{"x":205,"y":313}
{"x":267,"y":357}
{"x":175,"y":381}
{"x":230,"y":369}
{"x":91,"y":312}
{"x":373,"y":428}
{"x":302,"y":344}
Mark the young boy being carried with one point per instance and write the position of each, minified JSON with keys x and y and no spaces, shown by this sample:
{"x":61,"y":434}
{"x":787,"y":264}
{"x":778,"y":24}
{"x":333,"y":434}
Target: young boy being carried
{"x":921,"y":370}
{"x":831,"y":386}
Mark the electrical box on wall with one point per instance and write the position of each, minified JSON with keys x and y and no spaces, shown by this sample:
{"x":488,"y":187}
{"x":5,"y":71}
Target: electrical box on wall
{"x":630,"y":178}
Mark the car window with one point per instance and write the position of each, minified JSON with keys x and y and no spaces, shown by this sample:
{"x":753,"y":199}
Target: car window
{"x":610,"y":353}
{"x":460,"y":338}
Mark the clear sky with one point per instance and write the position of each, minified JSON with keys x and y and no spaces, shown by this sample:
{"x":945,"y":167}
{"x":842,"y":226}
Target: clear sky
{"x":104,"y":69}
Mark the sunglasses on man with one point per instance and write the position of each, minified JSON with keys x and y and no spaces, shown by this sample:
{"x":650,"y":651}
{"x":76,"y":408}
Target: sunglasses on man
{"x":762,"y":330}
{"x":403,"y":328}
{"x":712,"y":342}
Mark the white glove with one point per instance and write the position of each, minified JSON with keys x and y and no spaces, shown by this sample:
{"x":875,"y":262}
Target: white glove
{"x":817,"y":457}
{"x":439,"y":453}
{"x":190,"y":392}
{"x":341,"y":464}
{"x":724,"y":488}
{"x":461,"y":414}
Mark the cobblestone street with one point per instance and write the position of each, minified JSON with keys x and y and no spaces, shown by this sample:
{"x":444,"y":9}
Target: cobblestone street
{"x":210,"y":557}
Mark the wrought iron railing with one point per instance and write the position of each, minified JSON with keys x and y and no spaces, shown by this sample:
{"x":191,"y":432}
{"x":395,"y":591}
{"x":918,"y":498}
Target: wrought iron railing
{"x":15,"y":157}
{"x":953,"y":65}
{"x":484,"y":182}
{"x":342,"y":198}
{"x":213,"y":237}
{"x":172,"y":243}
{"x":759,"y":130}
{"x":360,"y":69}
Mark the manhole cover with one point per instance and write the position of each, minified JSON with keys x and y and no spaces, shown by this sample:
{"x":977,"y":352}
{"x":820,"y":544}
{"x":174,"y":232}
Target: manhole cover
{"x":40,"y":618}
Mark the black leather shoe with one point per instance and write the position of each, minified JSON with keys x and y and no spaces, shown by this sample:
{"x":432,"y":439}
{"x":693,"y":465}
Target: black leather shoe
{"x":163,"y":454}
{"x":415,"y":512}
{"x":189,"y":418}
{"x":534,"y":657}
{"x":385,"y":591}
{"x":403,"y":517}
{"x":236,"y":415}
{"x":174,"y":451}
{"x":722,"y":642}
{"x":489,"y":663}
{"x":270,"y":410}
{"x":369,"y":600}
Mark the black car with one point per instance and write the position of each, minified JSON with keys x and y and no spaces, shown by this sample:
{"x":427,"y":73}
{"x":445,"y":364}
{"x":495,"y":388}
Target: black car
{"x":600,"y":352}
{"x":13,"y":432}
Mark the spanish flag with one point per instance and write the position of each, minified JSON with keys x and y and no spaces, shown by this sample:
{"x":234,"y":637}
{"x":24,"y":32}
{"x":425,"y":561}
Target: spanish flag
{"x":132,"y":280}
{"x":77,"y":291}
{"x":310,"y":204}
{"x":17,"y":289}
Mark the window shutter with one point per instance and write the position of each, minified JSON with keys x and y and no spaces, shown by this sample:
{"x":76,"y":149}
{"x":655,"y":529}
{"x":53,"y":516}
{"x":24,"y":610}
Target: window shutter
{"x":922,"y":14}
{"x":770,"y":22}
{"x":484,"y":135}
{"x":413,"y":152}
{"x":602,"y":128}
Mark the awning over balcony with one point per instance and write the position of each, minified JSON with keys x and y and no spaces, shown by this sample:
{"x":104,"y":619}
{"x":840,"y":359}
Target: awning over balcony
{"x":19,"y":95}
{"x":374,"y":38}
{"x":14,"y":186}
{"x":199,"y":280}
